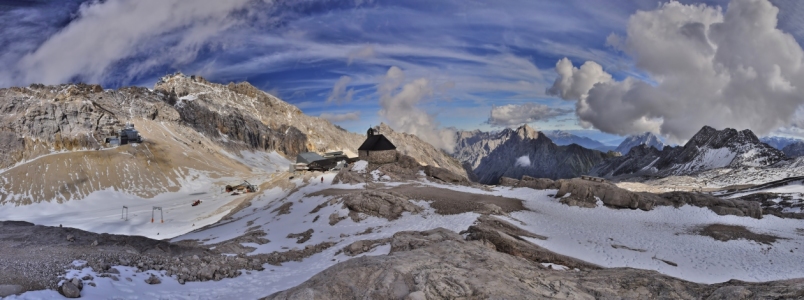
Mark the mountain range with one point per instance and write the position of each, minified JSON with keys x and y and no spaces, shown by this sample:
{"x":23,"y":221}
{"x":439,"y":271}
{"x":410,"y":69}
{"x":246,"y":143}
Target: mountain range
{"x":523,"y":151}
{"x":778,"y":142}
{"x":563,"y":138}
{"x":707,"y":149}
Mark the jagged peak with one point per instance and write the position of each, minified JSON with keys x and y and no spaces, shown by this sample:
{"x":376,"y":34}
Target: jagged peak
{"x":527,"y":132}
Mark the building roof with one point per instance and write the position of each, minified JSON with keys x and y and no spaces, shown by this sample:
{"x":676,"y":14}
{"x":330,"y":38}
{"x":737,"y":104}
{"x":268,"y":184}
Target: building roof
{"x":308,"y":157}
{"x":377,"y":142}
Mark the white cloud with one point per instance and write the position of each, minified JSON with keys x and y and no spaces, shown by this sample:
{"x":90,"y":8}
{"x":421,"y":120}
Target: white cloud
{"x":514,"y":115}
{"x":107,"y":32}
{"x":362,"y":52}
{"x":523,"y":161}
{"x":334,"y":118}
{"x":340,"y":93}
{"x":575,"y":83}
{"x":400,"y":108}
{"x":708,"y":67}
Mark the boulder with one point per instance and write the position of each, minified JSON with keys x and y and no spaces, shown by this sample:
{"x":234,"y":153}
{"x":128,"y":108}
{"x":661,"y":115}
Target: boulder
{"x":69,"y":290}
{"x":78,"y":283}
{"x":444,"y":175}
{"x":153,"y":280}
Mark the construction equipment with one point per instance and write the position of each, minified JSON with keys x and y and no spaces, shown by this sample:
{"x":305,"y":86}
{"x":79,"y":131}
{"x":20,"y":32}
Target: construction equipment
{"x":161,"y":214}
{"x":196,"y":202}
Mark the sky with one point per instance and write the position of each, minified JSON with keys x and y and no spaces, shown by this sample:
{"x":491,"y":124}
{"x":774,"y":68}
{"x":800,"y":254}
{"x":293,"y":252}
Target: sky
{"x":601,"y":69}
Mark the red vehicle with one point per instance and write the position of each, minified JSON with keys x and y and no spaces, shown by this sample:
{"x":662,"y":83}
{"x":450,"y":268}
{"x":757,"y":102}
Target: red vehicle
{"x":196,"y":202}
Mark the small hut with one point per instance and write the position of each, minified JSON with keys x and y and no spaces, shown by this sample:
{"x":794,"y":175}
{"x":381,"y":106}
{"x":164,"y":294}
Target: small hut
{"x":377,"y":148}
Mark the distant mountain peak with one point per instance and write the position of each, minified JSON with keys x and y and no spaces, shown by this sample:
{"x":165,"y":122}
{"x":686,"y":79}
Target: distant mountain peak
{"x":646,"y":138}
{"x":527,"y":132}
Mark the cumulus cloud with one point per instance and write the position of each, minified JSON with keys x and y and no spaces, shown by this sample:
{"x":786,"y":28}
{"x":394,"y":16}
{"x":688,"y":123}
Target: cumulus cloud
{"x":334,"y":118}
{"x":399,"y":105}
{"x":512,"y":114}
{"x":106,"y":32}
{"x":707,"y":67}
{"x":523,"y":161}
{"x":340,"y":93}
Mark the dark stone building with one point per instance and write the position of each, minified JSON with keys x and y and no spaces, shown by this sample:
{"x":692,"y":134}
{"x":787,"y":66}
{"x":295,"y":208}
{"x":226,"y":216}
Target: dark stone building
{"x":377,"y":148}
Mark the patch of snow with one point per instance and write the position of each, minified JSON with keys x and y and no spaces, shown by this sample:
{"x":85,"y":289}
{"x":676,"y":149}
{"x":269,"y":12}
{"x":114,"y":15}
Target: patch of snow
{"x":555,"y":266}
{"x":360,"y":166}
{"x":523,"y":161}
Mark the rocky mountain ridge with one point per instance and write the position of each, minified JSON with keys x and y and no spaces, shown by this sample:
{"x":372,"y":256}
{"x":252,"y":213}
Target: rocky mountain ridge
{"x":524,"y":151}
{"x":563,"y":138}
{"x":708,"y":149}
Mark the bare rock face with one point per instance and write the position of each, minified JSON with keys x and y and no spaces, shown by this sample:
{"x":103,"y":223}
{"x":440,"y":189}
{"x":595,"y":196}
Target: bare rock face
{"x":439,"y":264}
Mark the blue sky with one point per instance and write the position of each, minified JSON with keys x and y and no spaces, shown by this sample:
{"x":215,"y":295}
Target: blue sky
{"x":329,"y":57}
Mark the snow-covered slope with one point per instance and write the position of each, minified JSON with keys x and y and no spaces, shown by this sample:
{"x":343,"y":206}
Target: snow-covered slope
{"x":646,"y":138}
{"x":708,"y":149}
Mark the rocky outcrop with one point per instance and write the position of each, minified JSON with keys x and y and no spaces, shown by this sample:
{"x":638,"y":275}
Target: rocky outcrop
{"x":378,"y":203}
{"x":586,"y":193}
{"x":530,"y":182}
{"x":439,"y":264}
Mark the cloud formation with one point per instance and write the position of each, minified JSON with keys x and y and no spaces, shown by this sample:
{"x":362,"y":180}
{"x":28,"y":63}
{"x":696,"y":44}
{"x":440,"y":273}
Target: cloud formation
{"x":106,"y":32}
{"x":399,"y":106}
{"x":708,"y":67}
{"x":335,"y":118}
{"x":514,"y":115}
{"x":340,"y":93}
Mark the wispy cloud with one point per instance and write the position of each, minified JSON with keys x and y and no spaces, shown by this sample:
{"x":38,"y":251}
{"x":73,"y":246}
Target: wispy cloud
{"x":335,"y":118}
